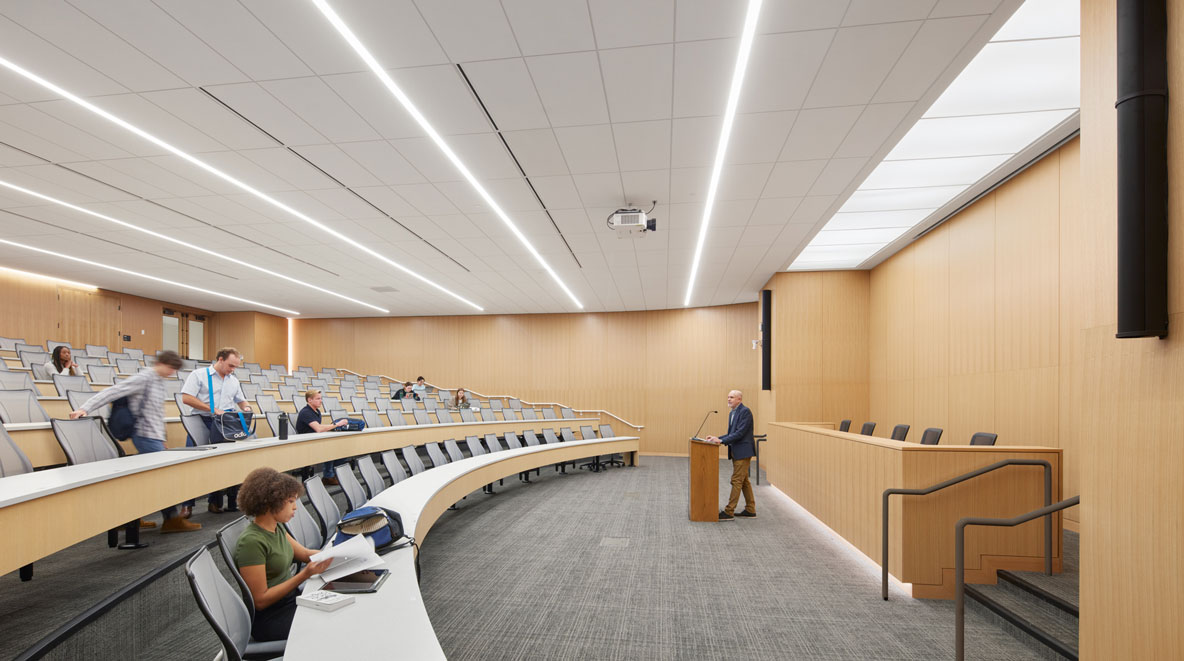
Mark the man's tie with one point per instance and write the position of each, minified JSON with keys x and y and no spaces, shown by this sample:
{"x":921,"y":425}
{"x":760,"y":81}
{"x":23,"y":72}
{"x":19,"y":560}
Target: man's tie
{"x":731,"y":418}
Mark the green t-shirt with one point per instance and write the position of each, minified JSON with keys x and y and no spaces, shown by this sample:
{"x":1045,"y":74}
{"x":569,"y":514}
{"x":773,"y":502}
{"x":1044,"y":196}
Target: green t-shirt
{"x":257,"y":546}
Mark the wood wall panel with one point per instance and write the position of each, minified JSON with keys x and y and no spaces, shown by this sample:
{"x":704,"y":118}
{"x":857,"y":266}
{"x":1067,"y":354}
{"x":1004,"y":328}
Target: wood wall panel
{"x":663,"y":369}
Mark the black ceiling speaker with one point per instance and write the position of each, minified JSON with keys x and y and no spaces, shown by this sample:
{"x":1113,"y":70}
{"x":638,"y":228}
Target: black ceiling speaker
{"x":1142,"y":169}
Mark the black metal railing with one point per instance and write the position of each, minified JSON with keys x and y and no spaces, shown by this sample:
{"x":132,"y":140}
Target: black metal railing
{"x":956,"y":480}
{"x":959,"y":561}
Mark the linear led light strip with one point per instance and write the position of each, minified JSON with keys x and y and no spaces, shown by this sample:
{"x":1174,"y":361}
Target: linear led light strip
{"x":39,"y":276}
{"x":24,"y":73}
{"x":179,"y":242}
{"x":403,"y":99}
{"x":725,"y":133}
{"x":145,"y":276}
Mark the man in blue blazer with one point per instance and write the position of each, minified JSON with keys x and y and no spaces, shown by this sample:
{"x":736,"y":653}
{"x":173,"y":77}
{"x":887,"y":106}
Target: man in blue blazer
{"x":741,"y":449}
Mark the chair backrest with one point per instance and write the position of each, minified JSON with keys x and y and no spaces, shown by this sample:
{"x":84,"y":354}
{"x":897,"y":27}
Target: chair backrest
{"x":328,"y":403}
{"x":337,"y":414}
{"x":899,"y":432}
{"x":474,"y":445}
{"x":394,"y":467}
{"x":53,"y":344}
{"x":414,"y":463}
{"x":267,"y":403}
{"x":983,"y":438}
{"x":31,"y":358}
{"x":421,"y":417}
{"x":453,"y":450}
{"x":279,"y":369}
{"x":515,"y":404}
{"x":195,"y":426}
{"x":587,"y":433}
{"x":9,"y":343}
{"x":529,"y":437}
{"x":65,"y":383}
{"x":436,"y":455}
{"x":511,"y":440}
{"x":127,"y":365}
{"x":227,"y":541}
{"x":287,"y":392}
{"x":845,"y":425}
{"x":273,"y":422}
{"x":529,"y":414}
{"x":39,"y":372}
{"x":466,"y":415}
{"x":76,"y":398}
{"x":566,"y":413}
{"x":305,"y":529}
{"x":495,"y":404}
{"x":84,"y":440}
{"x":510,"y":414}
{"x":346,"y":390}
{"x":21,"y":406}
{"x":250,"y":390}
{"x":101,"y":374}
{"x":444,"y":416}
{"x":359,"y":403}
{"x":355,"y":495}
{"x":319,"y":384}
{"x":16,"y":381}
{"x":867,"y":428}
{"x":86,"y":361}
{"x":182,"y":407}
{"x":370,"y":475}
{"x":12,"y":460}
{"x":371,"y":394}
{"x":323,"y":504}
{"x":272,"y":375}
{"x":396,"y":418}
{"x":371,"y":418}
{"x":173,"y":387}
{"x":294,"y":382}
{"x":548,"y":413}
{"x":549,"y":436}
{"x":487,"y":415}
{"x":429,"y":403}
{"x":408,"y":405}
{"x":137,"y":354}
{"x":382,"y":404}
{"x":113,"y":356}
{"x":606,"y":431}
{"x":3,"y":365}
{"x":493,"y":444}
{"x":253,"y":368}
{"x":566,"y":434}
{"x":217,"y":601}
{"x":260,"y":380}
{"x":96,"y":350}
{"x":21,"y":347}
{"x":931,"y":436}
{"x":301,"y":369}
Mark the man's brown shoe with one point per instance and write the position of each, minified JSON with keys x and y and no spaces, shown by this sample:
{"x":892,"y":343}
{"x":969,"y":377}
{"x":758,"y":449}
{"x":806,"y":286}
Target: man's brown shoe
{"x":145,"y":523}
{"x":330,"y":482}
{"x":179,"y":524}
{"x":214,"y":509}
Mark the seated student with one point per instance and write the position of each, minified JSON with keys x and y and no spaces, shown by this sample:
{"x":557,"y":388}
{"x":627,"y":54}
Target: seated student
{"x":421,"y":387}
{"x":462,"y":399}
{"x":265,"y":551}
{"x":406,"y":393}
{"x":309,"y":422}
{"x":62,"y":363}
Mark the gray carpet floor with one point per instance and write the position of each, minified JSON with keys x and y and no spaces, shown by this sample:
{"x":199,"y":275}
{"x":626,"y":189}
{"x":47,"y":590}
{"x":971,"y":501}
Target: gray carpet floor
{"x":499,"y":583}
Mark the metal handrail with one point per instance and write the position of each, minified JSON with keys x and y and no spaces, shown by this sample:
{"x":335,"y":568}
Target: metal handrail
{"x":960,"y":569}
{"x":962,"y":478}
{"x":505,"y":397}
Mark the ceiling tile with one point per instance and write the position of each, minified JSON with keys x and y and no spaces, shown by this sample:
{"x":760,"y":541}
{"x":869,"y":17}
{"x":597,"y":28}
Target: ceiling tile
{"x":643,"y":145}
{"x":930,"y":53}
{"x":857,"y":63}
{"x":508,"y":93}
{"x":550,"y":26}
{"x":470,"y":30}
{"x":588,"y":149}
{"x":817,"y":133}
{"x":570,"y":87}
{"x":637,"y":82}
{"x":703,"y":76}
{"x":238,"y":36}
{"x":622,"y":23}
{"x":769,"y":84}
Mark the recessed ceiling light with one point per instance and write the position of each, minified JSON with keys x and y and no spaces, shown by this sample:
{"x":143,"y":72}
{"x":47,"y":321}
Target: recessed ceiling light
{"x":813,"y":257}
{"x":165,"y":237}
{"x":1042,"y":19}
{"x":932,"y":172}
{"x":980,"y":135}
{"x":28,"y":75}
{"x":145,"y":276}
{"x":39,"y":276}
{"x":1002,"y":79}
{"x":897,"y":199}
{"x":364,"y":53}
{"x":725,"y":134}
{"x":862,"y":220}
{"x":881,"y":235}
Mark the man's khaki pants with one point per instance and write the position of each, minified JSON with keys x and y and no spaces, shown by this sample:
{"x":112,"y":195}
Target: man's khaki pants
{"x":740,"y":483}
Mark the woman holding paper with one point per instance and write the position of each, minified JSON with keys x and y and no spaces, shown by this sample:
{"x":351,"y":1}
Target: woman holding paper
{"x":265,"y":551}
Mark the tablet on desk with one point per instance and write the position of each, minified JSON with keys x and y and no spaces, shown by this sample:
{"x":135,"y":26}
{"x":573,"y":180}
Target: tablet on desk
{"x":368,"y":580}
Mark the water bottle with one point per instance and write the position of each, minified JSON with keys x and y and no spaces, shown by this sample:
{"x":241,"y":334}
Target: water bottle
{"x":283,"y":426}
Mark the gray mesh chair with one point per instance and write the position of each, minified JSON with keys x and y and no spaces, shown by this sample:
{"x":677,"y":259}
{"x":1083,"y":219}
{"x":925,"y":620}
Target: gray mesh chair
{"x":272,"y":375}
{"x":549,"y":438}
{"x":495,"y":404}
{"x":606,"y":431}
{"x":493,"y":444}
{"x":382,"y":404}
{"x":444,"y":416}
{"x":328,"y":403}
{"x":281,"y":370}
{"x":515,"y":404}
{"x":287,"y":392}
{"x":566,"y":435}
{"x":566,"y":413}
{"x":355,"y":495}
{"x":983,"y":438}
{"x":85,"y":440}
{"x":65,"y":383}
{"x":21,"y":346}
{"x":510,"y":415}
{"x":250,"y":390}
{"x":97,"y":350}
{"x":453,"y":450}
{"x":304,"y":528}
{"x":396,"y":418}
{"x":530,"y":438}
{"x":127,"y":365}
{"x":931,"y":436}
{"x":300,"y":369}
{"x":196,"y":428}
{"x":10,"y":343}
{"x":466,"y":415}
{"x":512,"y":441}
{"x":487,"y":415}
{"x":101,"y":374}
{"x":273,"y":421}
{"x":319,"y":384}
{"x":359,"y":403}
{"x":430,"y":403}
{"x":227,"y":537}
{"x":408,"y":405}
{"x":899,"y":432}
{"x":76,"y":399}
{"x":421,"y":417}
{"x":85,"y":362}
{"x":4,"y":365}
{"x":529,"y":414}
{"x":52,"y":344}
{"x":347,"y":390}
{"x":474,"y":445}
{"x":436,"y":455}
{"x":370,"y":475}
{"x":337,"y":414}
{"x":371,"y":418}
{"x":182,"y":407}
{"x":260,"y":380}
{"x":324,"y":505}
{"x":548,"y":413}
{"x":414,"y":463}
{"x":294,"y":382}
{"x":224,"y":610}
{"x":267,"y":403}
{"x":372,"y":394}
{"x":845,"y":425}
{"x":14,"y":462}
{"x":394,"y":467}
{"x":31,"y":358}
{"x":253,"y":368}
{"x":17,"y":381}
{"x":173,"y":387}
{"x":587,"y":433}
{"x":867,"y":429}
{"x":18,"y":406}
{"x":113,"y":356}
{"x":137,"y":354}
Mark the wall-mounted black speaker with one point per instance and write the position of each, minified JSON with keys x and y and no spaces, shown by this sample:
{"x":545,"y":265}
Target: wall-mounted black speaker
{"x":1142,"y":169}
{"x":766,"y":339}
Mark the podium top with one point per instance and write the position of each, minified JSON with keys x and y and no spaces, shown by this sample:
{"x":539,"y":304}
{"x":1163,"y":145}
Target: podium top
{"x":695,"y":439}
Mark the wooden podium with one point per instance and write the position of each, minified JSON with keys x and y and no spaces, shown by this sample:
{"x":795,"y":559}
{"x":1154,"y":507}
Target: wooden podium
{"x":704,"y":481}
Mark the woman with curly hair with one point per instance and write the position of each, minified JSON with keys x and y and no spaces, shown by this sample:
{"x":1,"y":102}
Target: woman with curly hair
{"x":265,"y":551}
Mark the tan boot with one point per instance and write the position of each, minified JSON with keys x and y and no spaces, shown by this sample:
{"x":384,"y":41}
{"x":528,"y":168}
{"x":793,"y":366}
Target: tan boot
{"x":144,"y":523}
{"x":179,"y":524}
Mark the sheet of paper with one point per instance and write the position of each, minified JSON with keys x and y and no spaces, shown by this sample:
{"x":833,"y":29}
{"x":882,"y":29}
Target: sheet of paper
{"x":352,"y":555}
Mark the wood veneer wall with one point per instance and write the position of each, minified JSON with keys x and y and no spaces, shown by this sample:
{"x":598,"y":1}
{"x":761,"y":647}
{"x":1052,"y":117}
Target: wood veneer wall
{"x":663,"y":369}
{"x":262,"y":338}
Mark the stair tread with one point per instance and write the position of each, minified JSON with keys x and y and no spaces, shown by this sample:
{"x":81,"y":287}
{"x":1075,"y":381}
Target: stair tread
{"x":1037,"y":613}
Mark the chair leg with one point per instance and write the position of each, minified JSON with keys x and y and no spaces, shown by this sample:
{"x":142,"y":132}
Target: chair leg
{"x":131,"y":537}
{"x":113,"y":538}
{"x":27,"y":572}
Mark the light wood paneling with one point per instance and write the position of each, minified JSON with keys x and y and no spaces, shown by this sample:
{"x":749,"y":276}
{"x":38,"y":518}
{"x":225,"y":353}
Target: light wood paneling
{"x":262,"y":338}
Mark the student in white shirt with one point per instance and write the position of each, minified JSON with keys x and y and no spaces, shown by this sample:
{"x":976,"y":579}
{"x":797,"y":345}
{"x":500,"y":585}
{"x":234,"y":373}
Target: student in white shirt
{"x":228,"y":393}
{"x":62,"y":363}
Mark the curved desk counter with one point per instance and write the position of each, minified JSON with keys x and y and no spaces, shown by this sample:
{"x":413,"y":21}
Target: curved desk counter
{"x":840,"y":478}
{"x":397,"y":608}
{"x":46,"y":511}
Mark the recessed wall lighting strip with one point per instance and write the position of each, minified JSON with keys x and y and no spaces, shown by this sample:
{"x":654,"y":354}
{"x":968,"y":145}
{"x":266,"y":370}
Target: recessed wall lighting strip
{"x":165,"y":237}
{"x":360,"y":48}
{"x":145,"y":276}
{"x":39,"y":276}
{"x":725,"y":134}
{"x":32,"y":77}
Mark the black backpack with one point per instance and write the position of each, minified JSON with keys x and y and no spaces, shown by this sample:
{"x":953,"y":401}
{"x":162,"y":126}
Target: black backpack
{"x":121,"y":423}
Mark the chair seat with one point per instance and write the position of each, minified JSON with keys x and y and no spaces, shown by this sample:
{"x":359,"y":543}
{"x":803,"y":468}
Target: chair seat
{"x":265,"y":650}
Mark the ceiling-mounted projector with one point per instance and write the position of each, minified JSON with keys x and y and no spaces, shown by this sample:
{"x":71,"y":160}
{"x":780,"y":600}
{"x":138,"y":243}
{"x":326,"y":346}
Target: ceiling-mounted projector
{"x":632,"y":221}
